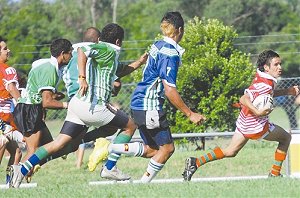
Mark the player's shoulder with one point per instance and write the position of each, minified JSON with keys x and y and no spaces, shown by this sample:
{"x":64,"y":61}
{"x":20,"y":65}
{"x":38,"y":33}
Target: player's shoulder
{"x":5,"y":68}
{"x":41,"y":62}
{"x":167,"y":48}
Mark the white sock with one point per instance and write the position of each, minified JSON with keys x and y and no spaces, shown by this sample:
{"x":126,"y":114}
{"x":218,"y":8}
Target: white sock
{"x":152,"y":170}
{"x":133,"y":149}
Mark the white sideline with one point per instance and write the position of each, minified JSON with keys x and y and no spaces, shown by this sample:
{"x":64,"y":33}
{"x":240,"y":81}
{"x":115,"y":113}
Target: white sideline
{"x":23,"y":185}
{"x":176,"y":180}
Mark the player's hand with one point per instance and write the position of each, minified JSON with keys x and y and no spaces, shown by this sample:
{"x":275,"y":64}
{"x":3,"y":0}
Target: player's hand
{"x":58,"y":96}
{"x":83,"y":87}
{"x":143,"y":59}
{"x":263,"y":112}
{"x":197,"y":118}
{"x":294,"y":90}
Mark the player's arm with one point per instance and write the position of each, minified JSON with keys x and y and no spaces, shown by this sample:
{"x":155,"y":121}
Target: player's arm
{"x":294,"y":91}
{"x":175,"y":98}
{"x":246,"y":101}
{"x":58,"y":96}
{"x":49,"y":102}
{"x":14,"y":92}
{"x":133,"y":66}
{"x":116,"y":87}
{"x":82,"y":60}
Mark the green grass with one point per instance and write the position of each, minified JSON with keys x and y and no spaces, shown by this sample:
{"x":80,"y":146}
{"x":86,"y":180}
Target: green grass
{"x":60,"y":178}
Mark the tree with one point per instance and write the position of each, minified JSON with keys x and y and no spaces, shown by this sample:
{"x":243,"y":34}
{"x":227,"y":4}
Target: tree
{"x":212,"y":77}
{"x":252,"y":17}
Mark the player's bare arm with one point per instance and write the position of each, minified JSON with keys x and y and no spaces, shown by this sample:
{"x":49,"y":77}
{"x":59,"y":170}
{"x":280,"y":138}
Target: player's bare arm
{"x":133,"y":66}
{"x":58,"y":96}
{"x":175,"y":98}
{"x":294,"y":91}
{"x":82,"y":59}
{"x":245,"y":100}
{"x":14,"y":92}
{"x":49,"y":102}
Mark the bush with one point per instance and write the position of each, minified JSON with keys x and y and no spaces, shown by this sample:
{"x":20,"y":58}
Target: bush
{"x":213,"y":76}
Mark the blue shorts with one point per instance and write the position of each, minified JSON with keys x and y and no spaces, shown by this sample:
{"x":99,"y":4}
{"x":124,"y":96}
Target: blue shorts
{"x":153,"y":127}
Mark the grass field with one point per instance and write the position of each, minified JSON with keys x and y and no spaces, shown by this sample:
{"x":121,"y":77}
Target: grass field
{"x":60,"y":178}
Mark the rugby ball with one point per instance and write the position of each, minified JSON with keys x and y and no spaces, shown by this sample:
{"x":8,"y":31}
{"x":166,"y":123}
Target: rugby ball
{"x":263,"y":102}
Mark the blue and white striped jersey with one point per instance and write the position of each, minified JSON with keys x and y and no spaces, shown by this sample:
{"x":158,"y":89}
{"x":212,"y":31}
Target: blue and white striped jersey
{"x":162,"y":64}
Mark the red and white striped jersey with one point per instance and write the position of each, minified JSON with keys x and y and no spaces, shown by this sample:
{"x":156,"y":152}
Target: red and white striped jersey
{"x":248,"y":123}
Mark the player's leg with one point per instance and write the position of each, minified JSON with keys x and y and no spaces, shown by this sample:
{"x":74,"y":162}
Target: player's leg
{"x":67,"y":141}
{"x":128,"y":127}
{"x":46,"y":136}
{"x":192,"y":164}
{"x":136,"y":148}
{"x":14,"y":151}
{"x":163,"y":139}
{"x":278,"y":134}
{"x":109,"y":170}
{"x":103,"y":131}
{"x":158,"y":143}
{"x":3,"y":142}
{"x":80,"y":155}
{"x":32,"y":141}
{"x":14,"y":158}
{"x":69,"y":131}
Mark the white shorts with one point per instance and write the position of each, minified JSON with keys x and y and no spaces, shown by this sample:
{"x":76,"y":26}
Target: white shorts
{"x":84,"y":113}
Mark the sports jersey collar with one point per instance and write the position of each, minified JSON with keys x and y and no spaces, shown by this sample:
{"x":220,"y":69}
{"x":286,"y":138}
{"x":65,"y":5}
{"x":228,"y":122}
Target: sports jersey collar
{"x":267,"y":76}
{"x":176,"y":45}
{"x":117,"y":48}
{"x":54,"y":62}
{"x":77,"y":45}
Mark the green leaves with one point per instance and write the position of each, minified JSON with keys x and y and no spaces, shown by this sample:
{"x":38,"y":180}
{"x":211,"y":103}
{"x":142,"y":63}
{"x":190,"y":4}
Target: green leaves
{"x":212,"y":77}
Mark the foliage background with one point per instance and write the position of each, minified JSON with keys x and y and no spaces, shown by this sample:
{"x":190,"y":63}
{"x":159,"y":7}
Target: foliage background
{"x":222,"y":39}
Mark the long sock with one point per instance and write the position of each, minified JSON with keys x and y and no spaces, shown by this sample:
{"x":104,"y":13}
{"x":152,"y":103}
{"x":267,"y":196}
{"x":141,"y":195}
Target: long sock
{"x":69,"y":148}
{"x":113,"y":157}
{"x":40,"y":154}
{"x":279,"y":158}
{"x":152,"y":170}
{"x":215,"y":154}
{"x":132,"y":149}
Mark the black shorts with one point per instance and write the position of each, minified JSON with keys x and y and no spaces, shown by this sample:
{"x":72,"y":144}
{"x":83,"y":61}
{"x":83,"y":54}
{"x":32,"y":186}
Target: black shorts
{"x":29,"y":117}
{"x":72,"y":129}
{"x":120,"y":120}
{"x":153,"y":127}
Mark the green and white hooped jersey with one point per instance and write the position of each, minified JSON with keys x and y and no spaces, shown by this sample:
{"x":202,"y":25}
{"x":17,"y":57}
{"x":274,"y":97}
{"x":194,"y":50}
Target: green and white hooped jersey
{"x":44,"y":74}
{"x":100,"y":73}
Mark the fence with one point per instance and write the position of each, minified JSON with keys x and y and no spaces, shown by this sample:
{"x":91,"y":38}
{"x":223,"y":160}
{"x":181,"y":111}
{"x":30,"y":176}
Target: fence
{"x":286,"y":113}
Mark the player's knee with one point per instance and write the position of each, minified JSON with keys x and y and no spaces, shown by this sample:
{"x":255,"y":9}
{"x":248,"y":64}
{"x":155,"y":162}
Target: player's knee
{"x":130,"y":128}
{"x":286,"y":139}
{"x":168,"y":149}
{"x":230,"y":153}
{"x":55,"y":146}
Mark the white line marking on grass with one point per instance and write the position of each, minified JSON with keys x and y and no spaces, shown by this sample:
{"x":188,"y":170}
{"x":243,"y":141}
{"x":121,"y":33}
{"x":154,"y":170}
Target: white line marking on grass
{"x":23,"y":185}
{"x":207,"y":179}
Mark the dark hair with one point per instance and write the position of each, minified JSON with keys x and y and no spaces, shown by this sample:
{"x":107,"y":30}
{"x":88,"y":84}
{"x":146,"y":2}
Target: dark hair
{"x":60,"y":45}
{"x":91,"y":34}
{"x":264,"y":58}
{"x":174,"y":18}
{"x":111,"y":33}
{"x":2,"y":39}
